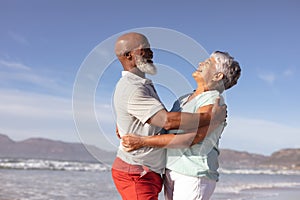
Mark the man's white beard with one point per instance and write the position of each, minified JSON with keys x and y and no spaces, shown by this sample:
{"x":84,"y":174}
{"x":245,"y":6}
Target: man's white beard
{"x":144,"y":66}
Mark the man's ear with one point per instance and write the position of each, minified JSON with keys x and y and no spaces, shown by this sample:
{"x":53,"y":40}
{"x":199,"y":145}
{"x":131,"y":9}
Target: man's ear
{"x":128,"y":55}
{"x":218,"y":76}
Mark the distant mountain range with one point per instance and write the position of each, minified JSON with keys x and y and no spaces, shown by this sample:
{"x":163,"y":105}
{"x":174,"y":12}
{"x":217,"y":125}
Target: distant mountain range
{"x":40,"y":148}
{"x":282,"y":159}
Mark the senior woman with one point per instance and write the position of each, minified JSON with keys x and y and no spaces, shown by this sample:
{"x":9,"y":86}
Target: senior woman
{"x":192,"y":158}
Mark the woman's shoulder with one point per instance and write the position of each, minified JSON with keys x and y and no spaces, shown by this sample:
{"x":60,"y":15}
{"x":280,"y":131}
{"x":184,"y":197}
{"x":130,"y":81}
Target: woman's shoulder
{"x":183,"y":97}
{"x":209,"y":97}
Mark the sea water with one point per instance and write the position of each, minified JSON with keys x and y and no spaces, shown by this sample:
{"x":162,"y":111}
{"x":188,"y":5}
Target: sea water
{"x":47,"y":180}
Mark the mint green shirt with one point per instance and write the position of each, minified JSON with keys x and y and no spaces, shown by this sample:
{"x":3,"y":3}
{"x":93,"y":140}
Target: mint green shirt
{"x":199,"y":160}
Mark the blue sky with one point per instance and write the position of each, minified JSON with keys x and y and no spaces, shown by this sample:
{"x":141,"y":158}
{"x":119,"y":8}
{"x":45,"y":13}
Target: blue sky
{"x":44,"y":43}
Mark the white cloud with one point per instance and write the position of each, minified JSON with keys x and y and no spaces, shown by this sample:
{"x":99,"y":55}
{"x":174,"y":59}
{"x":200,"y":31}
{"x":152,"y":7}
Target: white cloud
{"x":14,"y":65}
{"x":17,"y":73}
{"x":32,"y":105}
{"x":268,"y":77}
{"x":96,"y":124}
{"x":27,"y":77}
{"x":24,"y":115}
{"x":271,"y":77}
{"x":288,"y":72}
{"x":259,"y":136}
{"x":18,"y":38}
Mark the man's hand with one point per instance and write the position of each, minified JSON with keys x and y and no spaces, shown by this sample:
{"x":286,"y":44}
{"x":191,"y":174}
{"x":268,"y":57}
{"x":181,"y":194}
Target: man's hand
{"x":219,"y":113}
{"x":117,"y":132}
{"x":132,"y":142}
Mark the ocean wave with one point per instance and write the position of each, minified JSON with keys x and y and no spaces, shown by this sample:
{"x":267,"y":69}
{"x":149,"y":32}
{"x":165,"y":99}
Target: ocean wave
{"x":253,"y":186}
{"x":260,"y":171}
{"x":29,"y":164}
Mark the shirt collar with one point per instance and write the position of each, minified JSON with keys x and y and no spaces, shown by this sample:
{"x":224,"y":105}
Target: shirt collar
{"x":136,"y":77}
{"x":124,"y":73}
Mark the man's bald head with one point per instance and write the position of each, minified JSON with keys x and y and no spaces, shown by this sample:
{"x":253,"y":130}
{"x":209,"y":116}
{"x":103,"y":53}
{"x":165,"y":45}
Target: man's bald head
{"x":130,"y":41}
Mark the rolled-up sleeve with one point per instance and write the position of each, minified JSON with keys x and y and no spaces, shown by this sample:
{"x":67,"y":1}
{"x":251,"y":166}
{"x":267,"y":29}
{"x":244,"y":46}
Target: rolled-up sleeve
{"x":143,"y":104}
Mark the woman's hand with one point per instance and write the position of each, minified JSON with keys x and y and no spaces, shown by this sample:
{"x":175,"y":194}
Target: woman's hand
{"x":132,"y":142}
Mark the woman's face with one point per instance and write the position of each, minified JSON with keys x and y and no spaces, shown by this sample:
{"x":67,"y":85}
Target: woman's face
{"x":205,"y":71}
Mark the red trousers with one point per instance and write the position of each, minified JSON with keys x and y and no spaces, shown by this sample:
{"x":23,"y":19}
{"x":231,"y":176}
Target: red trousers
{"x":135,"y":182}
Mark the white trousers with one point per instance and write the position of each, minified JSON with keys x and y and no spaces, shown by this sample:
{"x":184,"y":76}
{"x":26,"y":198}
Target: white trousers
{"x":181,"y":187}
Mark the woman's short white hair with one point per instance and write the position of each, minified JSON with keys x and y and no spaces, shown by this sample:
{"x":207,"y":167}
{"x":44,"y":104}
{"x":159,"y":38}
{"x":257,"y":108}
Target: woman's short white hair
{"x":228,"y":66}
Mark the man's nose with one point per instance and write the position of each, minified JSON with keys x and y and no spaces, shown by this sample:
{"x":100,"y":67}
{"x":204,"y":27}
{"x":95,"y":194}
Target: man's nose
{"x":149,"y":54}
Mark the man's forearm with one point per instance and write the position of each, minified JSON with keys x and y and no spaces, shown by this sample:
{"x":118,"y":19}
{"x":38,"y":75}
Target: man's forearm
{"x":132,"y":142}
{"x":189,"y":121}
{"x":179,"y":140}
{"x":186,"y":121}
{"x":169,"y":140}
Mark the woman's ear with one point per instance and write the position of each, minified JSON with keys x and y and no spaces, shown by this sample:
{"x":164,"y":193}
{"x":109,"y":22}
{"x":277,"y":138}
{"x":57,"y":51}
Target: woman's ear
{"x":218,"y":76}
